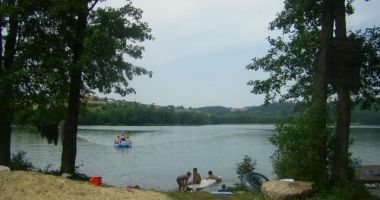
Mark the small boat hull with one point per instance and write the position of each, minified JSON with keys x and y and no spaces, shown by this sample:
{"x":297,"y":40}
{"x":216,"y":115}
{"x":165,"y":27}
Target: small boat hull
{"x":222,"y":193}
{"x":123,"y":144}
{"x":204,"y":183}
{"x":253,"y":181}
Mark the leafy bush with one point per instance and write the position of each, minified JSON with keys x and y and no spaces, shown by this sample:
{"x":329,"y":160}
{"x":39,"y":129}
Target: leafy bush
{"x":20,"y":162}
{"x":352,"y":191}
{"x":246,"y":166}
{"x":296,"y":152}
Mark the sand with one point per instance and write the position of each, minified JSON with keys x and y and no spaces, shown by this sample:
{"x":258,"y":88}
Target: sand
{"x":32,"y":186}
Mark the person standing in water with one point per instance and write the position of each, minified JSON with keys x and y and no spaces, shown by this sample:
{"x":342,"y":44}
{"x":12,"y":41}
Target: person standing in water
{"x":196,"y":177}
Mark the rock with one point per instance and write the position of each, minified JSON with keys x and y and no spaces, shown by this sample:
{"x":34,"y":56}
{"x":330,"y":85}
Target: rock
{"x":4,"y":168}
{"x":281,"y":190}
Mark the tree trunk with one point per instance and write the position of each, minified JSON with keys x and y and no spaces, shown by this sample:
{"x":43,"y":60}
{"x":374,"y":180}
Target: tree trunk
{"x":4,"y":141}
{"x":5,"y":135}
{"x":69,"y":142}
{"x":340,"y":169}
{"x":1,"y":43}
{"x":318,"y":111}
{"x":5,"y":87}
{"x":340,"y":173}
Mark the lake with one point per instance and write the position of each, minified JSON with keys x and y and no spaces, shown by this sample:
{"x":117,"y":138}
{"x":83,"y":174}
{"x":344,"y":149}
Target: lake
{"x":161,"y":153}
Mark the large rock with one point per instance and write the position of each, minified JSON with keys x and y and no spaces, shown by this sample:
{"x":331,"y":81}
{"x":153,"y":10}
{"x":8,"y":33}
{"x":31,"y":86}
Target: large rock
{"x":4,"y":168}
{"x":280,"y":190}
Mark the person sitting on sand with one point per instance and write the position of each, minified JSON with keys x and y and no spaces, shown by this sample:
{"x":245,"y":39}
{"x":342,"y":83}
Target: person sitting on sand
{"x":212,"y":176}
{"x":196,"y":177}
{"x":182,"y":181}
{"x":117,"y":140}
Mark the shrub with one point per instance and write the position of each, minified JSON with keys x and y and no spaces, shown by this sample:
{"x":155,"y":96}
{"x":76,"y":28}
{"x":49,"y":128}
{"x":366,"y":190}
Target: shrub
{"x":296,"y":152}
{"x":20,"y":162}
{"x":246,"y":166}
{"x":351,"y":191}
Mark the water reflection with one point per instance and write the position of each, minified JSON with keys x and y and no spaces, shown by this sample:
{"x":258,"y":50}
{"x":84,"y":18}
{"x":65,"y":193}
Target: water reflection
{"x":123,"y":150}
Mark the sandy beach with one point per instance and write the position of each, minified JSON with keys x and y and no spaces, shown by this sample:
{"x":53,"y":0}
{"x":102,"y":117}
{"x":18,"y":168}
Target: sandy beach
{"x":32,"y":186}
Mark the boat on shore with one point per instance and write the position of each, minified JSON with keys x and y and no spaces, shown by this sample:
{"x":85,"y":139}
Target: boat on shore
{"x":204,"y":184}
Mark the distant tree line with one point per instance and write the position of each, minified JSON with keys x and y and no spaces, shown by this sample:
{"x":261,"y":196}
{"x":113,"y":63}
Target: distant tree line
{"x":132,"y":113}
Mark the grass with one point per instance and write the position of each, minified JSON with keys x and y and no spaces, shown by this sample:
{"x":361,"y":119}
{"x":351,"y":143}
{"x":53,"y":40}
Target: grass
{"x":208,"y":196}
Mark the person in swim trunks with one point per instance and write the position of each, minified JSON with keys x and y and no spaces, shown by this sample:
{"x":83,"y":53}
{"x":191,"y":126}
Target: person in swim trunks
{"x":196,"y":177}
{"x":212,"y":176}
{"x":182,"y":181}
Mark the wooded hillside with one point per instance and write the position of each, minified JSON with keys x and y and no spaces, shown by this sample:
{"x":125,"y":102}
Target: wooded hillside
{"x":133,"y":113}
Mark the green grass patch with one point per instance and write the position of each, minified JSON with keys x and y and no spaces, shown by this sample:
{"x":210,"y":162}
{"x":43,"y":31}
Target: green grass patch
{"x":208,"y":196}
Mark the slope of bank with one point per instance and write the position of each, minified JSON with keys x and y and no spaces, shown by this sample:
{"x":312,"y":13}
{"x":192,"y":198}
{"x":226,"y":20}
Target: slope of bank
{"x":32,"y":186}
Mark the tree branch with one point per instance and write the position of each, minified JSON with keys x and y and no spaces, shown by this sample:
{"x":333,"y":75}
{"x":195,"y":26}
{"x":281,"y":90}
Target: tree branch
{"x":93,"y":5}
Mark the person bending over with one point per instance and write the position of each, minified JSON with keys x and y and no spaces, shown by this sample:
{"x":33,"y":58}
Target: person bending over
{"x":182,"y":181}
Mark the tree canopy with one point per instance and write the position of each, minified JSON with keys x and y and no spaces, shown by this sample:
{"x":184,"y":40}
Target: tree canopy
{"x":55,"y":52}
{"x":293,"y":56}
{"x":303,"y":66}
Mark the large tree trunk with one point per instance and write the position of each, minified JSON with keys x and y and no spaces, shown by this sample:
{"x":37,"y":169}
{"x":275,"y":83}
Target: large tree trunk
{"x":340,"y":171}
{"x":69,"y":143}
{"x":5,"y":135}
{"x":318,"y":109}
{"x":5,"y":87}
{"x":1,"y":42}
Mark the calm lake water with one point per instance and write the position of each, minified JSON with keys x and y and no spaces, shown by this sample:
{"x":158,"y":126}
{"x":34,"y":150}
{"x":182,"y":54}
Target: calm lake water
{"x":161,"y":153}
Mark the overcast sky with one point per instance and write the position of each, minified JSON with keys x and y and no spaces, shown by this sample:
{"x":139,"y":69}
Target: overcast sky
{"x":201,"y":48}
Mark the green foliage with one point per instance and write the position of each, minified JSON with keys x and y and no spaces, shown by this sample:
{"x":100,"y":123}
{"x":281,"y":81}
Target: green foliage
{"x":130,"y":113}
{"x":255,"y":114}
{"x":112,"y":34}
{"x":20,"y":162}
{"x":295,"y":150}
{"x":47,"y":45}
{"x":208,"y":196}
{"x":352,"y":191}
{"x":239,"y":187}
{"x":370,"y":70}
{"x":245,"y":166}
{"x":370,"y":115}
{"x":290,"y":60}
